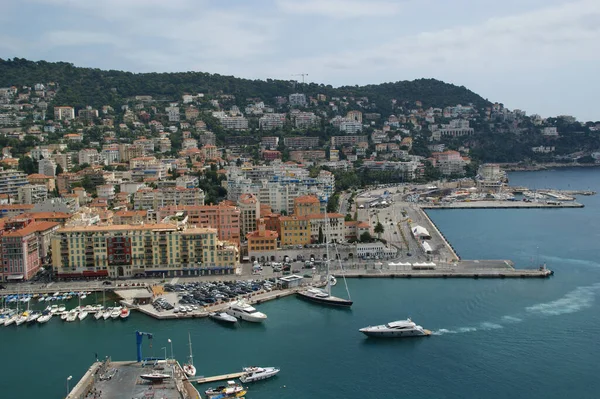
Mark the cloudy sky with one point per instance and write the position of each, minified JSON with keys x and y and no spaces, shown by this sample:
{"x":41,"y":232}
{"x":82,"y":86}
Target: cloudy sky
{"x":537,"y":55}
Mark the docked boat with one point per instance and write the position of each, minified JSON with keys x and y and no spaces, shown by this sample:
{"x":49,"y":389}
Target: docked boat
{"x":245,"y":311}
{"x":71,"y":315}
{"x":188,"y":368}
{"x":231,"y":390}
{"x":33,"y":316}
{"x":44,"y":318}
{"x":116,"y":312}
{"x":155,"y":377}
{"x":223,"y":317}
{"x":11,"y":320}
{"x":22,"y":318}
{"x":54,"y":308}
{"x":252,"y":374}
{"x":124,"y":313}
{"x":98,"y":315}
{"x":83,"y":314}
{"x":323,"y":296}
{"x":62,"y":308}
{"x":396,"y":329}
{"x":106,"y":314}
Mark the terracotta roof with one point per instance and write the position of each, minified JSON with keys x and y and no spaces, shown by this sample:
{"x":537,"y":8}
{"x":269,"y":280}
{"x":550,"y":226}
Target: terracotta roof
{"x":307,"y":199}
{"x":30,"y":229}
{"x":46,"y":215}
{"x":329,"y":215}
{"x":118,"y":227}
{"x":130,"y":213}
{"x":268,"y":234}
{"x":16,"y":206}
{"x":39,"y":176}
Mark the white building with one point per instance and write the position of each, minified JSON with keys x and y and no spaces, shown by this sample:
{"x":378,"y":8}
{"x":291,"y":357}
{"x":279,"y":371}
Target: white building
{"x":11,"y":180}
{"x":38,"y":153}
{"x":298,"y":99}
{"x":64,"y":113}
{"x":271,"y":121}
{"x":90,"y":156}
{"x":106,"y":191}
{"x":47,"y":167}
{"x":32,"y":193}
{"x":350,"y":127}
{"x":550,"y":131}
{"x":173,"y":114}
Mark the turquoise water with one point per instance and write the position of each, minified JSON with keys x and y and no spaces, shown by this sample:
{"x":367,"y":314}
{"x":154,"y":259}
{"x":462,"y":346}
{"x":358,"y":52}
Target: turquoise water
{"x":495,"y":338}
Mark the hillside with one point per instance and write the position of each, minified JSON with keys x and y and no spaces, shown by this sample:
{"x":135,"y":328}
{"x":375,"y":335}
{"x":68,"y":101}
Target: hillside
{"x":95,"y":87}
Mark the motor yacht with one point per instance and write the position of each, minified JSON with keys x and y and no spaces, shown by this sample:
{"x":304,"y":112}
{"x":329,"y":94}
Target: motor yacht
{"x":396,"y":329}
{"x":323,"y":296}
{"x":245,"y":311}
{"x":223,"y":317}
{"x":252,"y":374}
{"x":116,"y":313}
{"x":44,"y":318}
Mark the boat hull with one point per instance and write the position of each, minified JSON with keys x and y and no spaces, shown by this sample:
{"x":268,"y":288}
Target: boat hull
{"x":395,"y":334}
{"x":226,"y":318}
{"x":329,"y":300}
{"x":266,"y":374}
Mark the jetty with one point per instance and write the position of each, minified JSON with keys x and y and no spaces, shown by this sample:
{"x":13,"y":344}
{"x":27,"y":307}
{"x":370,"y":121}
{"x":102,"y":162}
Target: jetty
{"x":223,"y":377}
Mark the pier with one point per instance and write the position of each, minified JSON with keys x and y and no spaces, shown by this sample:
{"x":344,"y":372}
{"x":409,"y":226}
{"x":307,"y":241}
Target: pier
{"x":223,"y":377}
{"x":502,"y":205}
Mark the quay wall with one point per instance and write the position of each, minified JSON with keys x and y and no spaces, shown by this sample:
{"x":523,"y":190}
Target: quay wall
{"x":441,"y":235}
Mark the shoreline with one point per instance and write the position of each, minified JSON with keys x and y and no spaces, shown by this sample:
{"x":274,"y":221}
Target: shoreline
{"x":515,"y":167}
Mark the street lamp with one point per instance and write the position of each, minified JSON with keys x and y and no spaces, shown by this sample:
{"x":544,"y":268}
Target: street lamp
{"x":171,"y":342}
{"x":69,"y":378}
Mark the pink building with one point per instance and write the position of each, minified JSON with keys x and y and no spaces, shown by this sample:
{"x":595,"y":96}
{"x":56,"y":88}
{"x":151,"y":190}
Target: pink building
{"x":24,"y":248}
{"x":224,"y":218}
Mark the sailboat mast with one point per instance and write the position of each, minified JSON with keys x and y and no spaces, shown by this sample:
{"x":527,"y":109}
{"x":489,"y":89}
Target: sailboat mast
{"x":191,"y":357}
{"x":326,"y":231}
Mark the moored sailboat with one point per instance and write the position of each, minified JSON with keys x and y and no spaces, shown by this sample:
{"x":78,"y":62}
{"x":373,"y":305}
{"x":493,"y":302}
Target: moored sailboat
{"x":189,"y":368}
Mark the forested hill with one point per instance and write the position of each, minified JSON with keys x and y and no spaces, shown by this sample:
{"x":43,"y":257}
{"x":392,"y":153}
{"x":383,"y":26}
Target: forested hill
{"x":95,"y":87}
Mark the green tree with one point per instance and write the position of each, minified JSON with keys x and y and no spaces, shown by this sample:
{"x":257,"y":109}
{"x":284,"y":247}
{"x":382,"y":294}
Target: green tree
{"x":59,"y":169}
{"x":365,"y":237}
{"x":28,"y":165}
{"x":379,"y":229}
{"x":321,"y":239}
{"x":348,"y":217}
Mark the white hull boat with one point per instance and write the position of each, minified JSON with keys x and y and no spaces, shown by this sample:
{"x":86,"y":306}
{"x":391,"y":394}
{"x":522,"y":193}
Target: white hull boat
{"x":252,"y":374}
{"x":106,"y":314}
{"x":396,"y":329}
{"x":244,"y":311}
{"x":44,"y":318}
{"x":116,"y":313}
{"x":223,"y":317}
{"x":98,"y":314}
{"x":189,"y":369}
{"x":11,"y":320}
{"x":82,"y":315}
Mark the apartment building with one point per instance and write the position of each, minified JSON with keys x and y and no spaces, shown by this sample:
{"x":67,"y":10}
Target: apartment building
{"x":307,"y":205}
{"x":148,"y":250}
{"x":261,"y":240}
{"x":11,"y":180}
{"x":249,"y":207}
{"x":64,"y":113}
{"x":224,"y":218}
{"x":130,"y":217}
{"x":301,"y":142}
{"x":294,"y":230}
{"x":337,"y":141}
{"x":154,"y":199}
{"x":32,"y":193}
{"x":271,"y":121}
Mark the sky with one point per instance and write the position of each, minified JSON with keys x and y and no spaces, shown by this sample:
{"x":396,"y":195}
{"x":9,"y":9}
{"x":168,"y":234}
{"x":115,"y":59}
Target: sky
{"x":540,"y":56}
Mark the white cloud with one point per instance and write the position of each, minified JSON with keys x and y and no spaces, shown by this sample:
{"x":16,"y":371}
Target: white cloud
{"x":340,"y":8}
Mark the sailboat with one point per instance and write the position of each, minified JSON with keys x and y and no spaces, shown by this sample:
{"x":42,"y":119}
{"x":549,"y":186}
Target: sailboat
{"x":324,"y":296}
{"x":100,"y":310}
{"x":189,"y":368}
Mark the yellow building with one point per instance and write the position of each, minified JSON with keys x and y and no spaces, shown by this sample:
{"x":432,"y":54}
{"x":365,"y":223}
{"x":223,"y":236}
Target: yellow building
{"x":306,"y":205}
{"x":262,"y":239}
{"x":294,"y":230}
{"x":148,"y":250}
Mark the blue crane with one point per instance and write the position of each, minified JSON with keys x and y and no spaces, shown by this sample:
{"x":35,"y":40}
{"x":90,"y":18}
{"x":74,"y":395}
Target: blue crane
{"x":139,"y":335}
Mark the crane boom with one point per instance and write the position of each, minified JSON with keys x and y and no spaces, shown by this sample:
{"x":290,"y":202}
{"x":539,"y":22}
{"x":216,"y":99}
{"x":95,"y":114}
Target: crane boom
{"x":139,"y":335}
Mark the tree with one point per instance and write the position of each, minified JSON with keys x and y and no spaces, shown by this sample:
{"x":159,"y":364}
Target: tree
{"x":320,"y":240}
{"x":365,"y":237}
{"x":379,"y":229}
{"x":28,"y":165}
{"x":59,"y":169}
{"x":348,"y":218}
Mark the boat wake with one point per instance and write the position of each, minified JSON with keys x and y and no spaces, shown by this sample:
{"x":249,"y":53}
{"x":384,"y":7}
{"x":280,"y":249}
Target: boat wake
{"x":579,"y":299}
{"x":576,"y":300}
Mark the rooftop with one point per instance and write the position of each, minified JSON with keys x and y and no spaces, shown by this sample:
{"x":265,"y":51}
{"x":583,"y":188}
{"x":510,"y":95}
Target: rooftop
{"x":118,"y":227}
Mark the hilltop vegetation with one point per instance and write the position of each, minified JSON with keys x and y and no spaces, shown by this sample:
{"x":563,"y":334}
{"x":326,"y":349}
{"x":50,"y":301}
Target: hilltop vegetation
{"x":87,"y":86}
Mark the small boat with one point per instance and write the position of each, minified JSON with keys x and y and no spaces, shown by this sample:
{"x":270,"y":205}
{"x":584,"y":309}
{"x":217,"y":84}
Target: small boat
{"x":396,"y":329}
{"x":116,"y":312}
{"x":98,"y":315}
{"x":34,"y":316}
{"x":222,"y":316}
{"x":231,"y":390}
{"x":62,"y":308}
{"x":332,"y":280}
{"x":12,"y":319}
{"x":44,"y":318}
{"x":155,"y":376}
{"x":189,"y":369}
{"x":252,"y":374}
{"x":124,"y":313}
{"x":106,"y":314}
{"x":245,"y":311}
{"x":22,"y":318}
{"x":53,"y":308}
{"x":83,"y":314}
{"x":71,"y":315}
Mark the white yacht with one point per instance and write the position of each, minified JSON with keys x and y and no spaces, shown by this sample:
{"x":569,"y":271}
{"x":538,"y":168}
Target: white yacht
{"x":252,"y":374}
{"x":396,"y":329}
{"x":44,"y":318}
{"x":222,"y":316}
{"x":83,"y":314}
{"x":245,"y":311}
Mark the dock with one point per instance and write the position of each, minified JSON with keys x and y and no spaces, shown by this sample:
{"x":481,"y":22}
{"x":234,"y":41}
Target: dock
{"x":223,"y":377}
{"x":501,"y":205}
{"x":116,"y":380}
